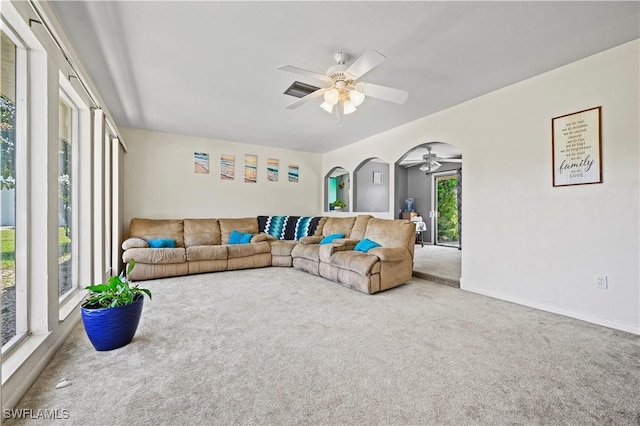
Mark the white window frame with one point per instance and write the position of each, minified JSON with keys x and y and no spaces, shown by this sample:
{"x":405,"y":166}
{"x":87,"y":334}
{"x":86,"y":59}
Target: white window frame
{"x":22,"y":183}
{"x":80,"y":142}
{"x":66,"y":95}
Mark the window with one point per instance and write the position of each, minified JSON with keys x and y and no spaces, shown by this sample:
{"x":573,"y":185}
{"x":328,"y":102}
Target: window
{"x":13,"y":293}
{"x":73,"y":229}
{"x":65,"y":223}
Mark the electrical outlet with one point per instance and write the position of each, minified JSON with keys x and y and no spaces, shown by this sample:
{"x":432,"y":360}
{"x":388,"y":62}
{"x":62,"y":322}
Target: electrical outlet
{"x":602,"y":283}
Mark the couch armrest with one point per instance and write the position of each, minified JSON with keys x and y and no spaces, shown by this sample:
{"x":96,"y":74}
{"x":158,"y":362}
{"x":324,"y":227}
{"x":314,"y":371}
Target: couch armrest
{"x":390,"y":254}
{"x":134,"y":242}
{"x":346,"y":242}
{"x":327,"y":250}
{"x":311,"y":239}
{"x":257,"y":238}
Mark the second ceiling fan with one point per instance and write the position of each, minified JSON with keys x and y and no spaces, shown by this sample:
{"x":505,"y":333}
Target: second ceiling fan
{"x":431,"y":162}
{"x":343,"y":91}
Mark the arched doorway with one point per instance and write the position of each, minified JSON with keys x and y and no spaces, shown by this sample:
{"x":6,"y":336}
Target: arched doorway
{"x":430,"y":176}
{"x":337,"y":185}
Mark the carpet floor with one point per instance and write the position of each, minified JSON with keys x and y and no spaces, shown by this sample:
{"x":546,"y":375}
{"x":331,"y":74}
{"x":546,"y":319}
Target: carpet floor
{"x":278,"y":346}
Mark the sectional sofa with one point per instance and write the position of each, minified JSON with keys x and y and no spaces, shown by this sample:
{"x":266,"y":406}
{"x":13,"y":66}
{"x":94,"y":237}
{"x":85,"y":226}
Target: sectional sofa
{"x":191,"y":246}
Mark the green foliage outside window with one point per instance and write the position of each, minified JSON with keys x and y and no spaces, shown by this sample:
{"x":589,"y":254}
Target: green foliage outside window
{"x":448,"y":210}
{"x":7,"y":143}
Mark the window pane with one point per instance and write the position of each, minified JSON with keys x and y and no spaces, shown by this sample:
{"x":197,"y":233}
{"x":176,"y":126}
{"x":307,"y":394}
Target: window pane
{"x":8,"y":185}
{"x":65,"y":202}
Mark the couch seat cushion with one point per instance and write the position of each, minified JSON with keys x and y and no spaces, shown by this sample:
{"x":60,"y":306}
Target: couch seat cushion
{"x":206,"y":253}
{"x":282,"y":247}
{"x":155,"y":255}
{"x":307,"y":251}
{"x":356,"y":261}
{"x":244,"y":250}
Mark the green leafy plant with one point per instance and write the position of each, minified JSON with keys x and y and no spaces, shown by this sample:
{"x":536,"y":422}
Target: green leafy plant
{"x":116,"y":292}
{"x":339,"y":203}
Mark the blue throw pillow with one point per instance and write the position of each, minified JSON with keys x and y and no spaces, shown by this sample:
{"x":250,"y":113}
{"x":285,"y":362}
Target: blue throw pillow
{"x":238,"y":237}
{"x":162,"y":242}
{"x":329,"y":238}
{"x":235,"y":237}
{"x":366,"y":245}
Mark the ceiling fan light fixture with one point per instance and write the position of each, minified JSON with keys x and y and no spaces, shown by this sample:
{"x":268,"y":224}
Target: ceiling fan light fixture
{"x":430,"y":167}
{"x":327,"y":107}
{"x":356,"y":96}
{"x":348,"y":107}
{"x":332,"y":96}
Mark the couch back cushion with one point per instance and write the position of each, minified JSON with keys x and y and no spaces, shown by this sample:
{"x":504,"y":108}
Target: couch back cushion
{"x":318,"y":231}
{"x":392,"y":233}
{"x":360,"y":226}
{"x":338,"y":225}
{"x":201,"y":232}
{"x":288,"y":227}
{"x":246,"y":225}
{"x":152,"y":229}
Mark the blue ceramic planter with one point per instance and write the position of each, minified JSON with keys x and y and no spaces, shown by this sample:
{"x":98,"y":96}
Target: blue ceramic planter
{"x":112,"y":328}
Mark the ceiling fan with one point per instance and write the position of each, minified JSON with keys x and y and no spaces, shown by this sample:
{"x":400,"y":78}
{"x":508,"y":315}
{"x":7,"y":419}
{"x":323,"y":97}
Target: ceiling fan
{"x":342,"y":89}
{"x":431,"y":162}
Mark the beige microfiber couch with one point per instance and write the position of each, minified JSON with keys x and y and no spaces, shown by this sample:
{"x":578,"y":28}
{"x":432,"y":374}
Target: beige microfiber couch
{"x":201,"y":245}
{"x":378,"y":269}
{"x":306,"y":256}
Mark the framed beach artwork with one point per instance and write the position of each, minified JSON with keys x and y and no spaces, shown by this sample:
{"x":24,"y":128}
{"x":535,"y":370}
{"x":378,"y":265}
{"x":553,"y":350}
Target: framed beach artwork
{"x":272,"y":169}
{"x":227,"y":167}
{"x":201,"y":162}
{"x":293,"y":173}
{"x":250,"y":168}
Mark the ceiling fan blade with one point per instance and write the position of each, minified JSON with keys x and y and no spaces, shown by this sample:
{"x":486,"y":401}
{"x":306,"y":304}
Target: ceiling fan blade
{"x":412,"y":164}
{"x":450,"y":160}
{"x":365,"y":63}
{"x":309,"y":97}
{"x":317,"y":76}
{"x":389,"y":94}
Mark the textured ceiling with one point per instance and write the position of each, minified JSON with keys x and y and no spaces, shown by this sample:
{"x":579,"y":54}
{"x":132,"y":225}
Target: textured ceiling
{"x":209,"y":68}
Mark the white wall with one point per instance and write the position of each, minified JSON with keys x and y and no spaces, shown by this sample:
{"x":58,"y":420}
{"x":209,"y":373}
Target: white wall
{"x":160,"y":181}
{"x":524,"y":240}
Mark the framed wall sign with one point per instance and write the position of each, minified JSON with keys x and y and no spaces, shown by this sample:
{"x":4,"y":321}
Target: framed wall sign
{"x":377,"y":178}
{"x":576,"y":148}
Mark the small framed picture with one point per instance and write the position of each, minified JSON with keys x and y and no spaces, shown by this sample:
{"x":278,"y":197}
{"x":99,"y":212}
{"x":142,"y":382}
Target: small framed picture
{"x":377,"y":178}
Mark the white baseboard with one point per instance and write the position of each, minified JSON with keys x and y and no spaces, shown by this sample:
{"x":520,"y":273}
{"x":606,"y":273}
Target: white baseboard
{"x":630,"y":328}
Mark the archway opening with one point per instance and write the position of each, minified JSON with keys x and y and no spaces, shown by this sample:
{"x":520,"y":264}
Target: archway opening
{"x":337,"y":184}
{"x":371,"y":186}
{"x":428,"y":191}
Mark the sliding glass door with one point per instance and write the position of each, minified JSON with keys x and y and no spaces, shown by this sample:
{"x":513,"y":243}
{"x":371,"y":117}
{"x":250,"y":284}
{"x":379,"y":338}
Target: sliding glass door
{"x":446,"y":208}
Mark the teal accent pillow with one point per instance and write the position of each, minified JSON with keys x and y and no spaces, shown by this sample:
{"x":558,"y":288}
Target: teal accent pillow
{"x":162,"y":243}
{"x":329,"y":238}
{"x":366,"y":245}
{"x":238,"y":237}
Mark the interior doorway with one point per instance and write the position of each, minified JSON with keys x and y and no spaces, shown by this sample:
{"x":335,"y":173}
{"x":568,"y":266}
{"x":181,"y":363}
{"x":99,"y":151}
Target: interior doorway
{"x":418,"y":173}
{"x":446,"y":209}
